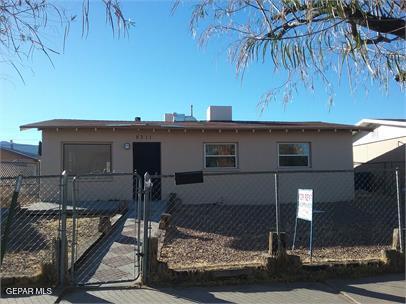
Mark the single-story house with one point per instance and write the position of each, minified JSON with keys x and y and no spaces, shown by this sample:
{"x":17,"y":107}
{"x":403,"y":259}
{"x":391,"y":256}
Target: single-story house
{"x":12,"y":155}
{"x":14,"y":162}
{"x":379,"y":152}
{"x":239,"y":150}
{"x":383,"y":147}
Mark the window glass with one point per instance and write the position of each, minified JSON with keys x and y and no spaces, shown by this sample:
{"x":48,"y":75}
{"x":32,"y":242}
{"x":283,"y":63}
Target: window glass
{"x":220,"y":162}
{"x":295,"y":149}
{"x":297,"y":161}
{"x":220,"y":156}
{"x":87,"y":158}
{"x":221,"y":149}
{"x":294,"y":154}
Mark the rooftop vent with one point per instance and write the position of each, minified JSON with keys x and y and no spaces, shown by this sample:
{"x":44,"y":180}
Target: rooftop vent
{"x":176,"y":117}
{"x":168,"y":117}
{"x":219,"y":113}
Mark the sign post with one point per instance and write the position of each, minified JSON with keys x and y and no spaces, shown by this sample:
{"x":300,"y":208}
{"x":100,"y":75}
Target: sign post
{"x":305,"y":212}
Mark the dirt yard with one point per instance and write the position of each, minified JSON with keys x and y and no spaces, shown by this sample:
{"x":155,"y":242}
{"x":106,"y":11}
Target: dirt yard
{"x":210,"y":235}
{"x":200,"y":249}
{"x":189,"y":248}
{"x":338,"y":254}
{"x":24,"y":199}
{"x":30,"y":244}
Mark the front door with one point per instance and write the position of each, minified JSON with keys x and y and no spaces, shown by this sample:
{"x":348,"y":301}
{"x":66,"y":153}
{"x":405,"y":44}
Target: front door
{"x":147,"y":158}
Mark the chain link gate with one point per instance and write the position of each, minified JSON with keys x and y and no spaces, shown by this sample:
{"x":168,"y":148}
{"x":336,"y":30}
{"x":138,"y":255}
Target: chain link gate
{"x":97,"y":220}
{"x":106,"y":236}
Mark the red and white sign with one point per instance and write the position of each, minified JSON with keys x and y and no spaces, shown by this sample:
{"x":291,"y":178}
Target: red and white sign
{"x":305,"y":204}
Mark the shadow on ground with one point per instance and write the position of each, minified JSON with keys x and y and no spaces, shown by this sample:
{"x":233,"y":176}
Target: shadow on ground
{"x":367,"y":290}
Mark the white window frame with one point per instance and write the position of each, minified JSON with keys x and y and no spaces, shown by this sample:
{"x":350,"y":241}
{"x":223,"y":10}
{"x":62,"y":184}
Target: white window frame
{"x":220,"y":143}
{"x":295,"y":143}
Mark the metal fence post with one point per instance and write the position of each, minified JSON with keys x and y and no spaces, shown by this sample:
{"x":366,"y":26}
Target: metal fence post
{"x":11,"y":213}
{"x":277,"y":215}
{"x":138,"y":217}
{"x":398,"y":201}
{"x":62,"y":252}
{"x":295,"y":231}
{"x":147,"y":189}
{"x":74,"y":245}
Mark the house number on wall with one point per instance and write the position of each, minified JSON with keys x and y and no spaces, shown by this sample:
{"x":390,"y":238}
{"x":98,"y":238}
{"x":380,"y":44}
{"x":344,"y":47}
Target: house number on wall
{"x":141,"y":136}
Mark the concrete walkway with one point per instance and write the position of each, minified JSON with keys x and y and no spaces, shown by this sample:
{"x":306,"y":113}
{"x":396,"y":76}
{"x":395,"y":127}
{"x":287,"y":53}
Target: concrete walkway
{"x":114,"y":258}
{"x":383,"y":289}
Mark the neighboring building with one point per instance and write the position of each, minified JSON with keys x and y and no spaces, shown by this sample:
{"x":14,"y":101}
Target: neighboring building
{"x":219,"y":144}
{"x":11,"y":155}
{"x":14,"y":162}
{"x":384,"y":147}
{"x":32,"y":150}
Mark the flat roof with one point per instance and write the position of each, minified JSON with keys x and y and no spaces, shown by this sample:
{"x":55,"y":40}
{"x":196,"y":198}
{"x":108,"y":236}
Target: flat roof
{"x":222,"y":125}
{"x":372,"y":123}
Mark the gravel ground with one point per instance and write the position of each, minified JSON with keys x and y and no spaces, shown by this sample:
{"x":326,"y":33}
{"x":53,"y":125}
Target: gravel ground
{"x":200,"y":249}
{"x":30,"y":244}
{"x":28,"y":195}
{"x":338,"y":254}
{"x":215,"y":235}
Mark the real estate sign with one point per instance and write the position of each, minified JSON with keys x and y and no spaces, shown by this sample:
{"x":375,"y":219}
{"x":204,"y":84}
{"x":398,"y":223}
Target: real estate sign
{"x":305,"y":204}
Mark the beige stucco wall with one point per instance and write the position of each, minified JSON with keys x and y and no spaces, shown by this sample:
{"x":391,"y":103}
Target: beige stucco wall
{"x":365,"y":152}
{"x":182,"y":151}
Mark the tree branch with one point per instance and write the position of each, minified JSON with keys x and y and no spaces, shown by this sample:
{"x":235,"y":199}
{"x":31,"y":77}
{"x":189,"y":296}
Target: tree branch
{"x":387,"y":25}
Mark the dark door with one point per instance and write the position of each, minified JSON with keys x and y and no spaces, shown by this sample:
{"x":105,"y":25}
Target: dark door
{"x":147,"y":158}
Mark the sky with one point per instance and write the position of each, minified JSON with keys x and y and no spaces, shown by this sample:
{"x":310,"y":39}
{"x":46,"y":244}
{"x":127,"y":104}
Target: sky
{"x":160,"y":68}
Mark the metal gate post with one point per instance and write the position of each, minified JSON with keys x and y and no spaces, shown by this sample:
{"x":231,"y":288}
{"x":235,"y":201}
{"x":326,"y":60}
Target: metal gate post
{"x":62,"y":247}
{"x":138,"y":217}
{"x":398,"y":201}
{"x":147,"y":192}
{"x":74,"y":244}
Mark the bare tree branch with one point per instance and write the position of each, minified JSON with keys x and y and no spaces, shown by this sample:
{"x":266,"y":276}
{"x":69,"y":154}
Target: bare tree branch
{"x":24,"y":24}
{"x":309,"y":37}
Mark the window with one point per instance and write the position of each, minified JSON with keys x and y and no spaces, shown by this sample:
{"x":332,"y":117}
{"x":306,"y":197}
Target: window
{"x":220,"y":155}
{"x":87,"y":158}
{"x":294,"y":154}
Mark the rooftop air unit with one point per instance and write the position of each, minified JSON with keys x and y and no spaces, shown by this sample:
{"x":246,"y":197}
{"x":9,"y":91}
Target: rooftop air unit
{"x":219,"y":113}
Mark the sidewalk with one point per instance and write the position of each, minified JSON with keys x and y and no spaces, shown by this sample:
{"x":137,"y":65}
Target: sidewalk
{"x":383,"y":289}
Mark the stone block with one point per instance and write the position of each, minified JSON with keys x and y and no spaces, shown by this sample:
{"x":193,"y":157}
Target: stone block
{"x":273,"y":243}
{"x":164,"y":221}
{"x":104,"y":224}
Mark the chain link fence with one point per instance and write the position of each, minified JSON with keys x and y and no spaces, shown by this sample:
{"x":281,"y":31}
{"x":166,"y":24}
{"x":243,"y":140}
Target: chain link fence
{"x":33,"y":226}
{"x":95,"y":217}
{"x":15,"y":168}
{"x":354,"y":214}
{"x":226,"y":219}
